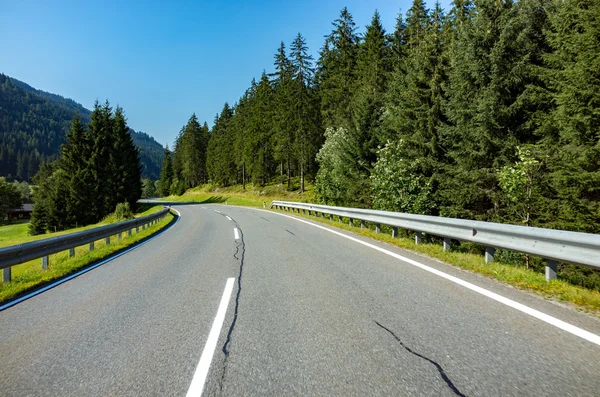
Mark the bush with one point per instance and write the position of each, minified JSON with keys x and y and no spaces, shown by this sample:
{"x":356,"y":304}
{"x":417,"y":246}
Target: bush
{"x":123,"y":211}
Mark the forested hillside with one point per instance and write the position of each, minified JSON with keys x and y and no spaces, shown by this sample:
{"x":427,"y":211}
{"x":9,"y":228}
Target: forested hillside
{"x":34,"y":124}
{"x":489,"y":110}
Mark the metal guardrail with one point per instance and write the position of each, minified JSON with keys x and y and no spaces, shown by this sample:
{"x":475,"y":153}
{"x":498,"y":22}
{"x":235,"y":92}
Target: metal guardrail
{"x":17,"y":254}
{"x":552,"y":245}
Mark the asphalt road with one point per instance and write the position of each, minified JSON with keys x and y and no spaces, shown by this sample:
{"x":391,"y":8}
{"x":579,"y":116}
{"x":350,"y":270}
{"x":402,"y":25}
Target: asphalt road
{"x":310,"y":313}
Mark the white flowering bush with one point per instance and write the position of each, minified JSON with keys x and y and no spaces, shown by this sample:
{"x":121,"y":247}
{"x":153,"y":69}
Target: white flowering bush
{"x":396,"y":185}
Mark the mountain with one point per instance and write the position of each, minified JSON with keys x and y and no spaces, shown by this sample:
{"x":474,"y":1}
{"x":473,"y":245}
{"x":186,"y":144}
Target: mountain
{"x":33,"y":126}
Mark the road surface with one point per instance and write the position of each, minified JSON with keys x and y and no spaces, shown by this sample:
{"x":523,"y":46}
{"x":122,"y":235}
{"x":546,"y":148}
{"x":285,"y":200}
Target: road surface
{"x":238,"y":301}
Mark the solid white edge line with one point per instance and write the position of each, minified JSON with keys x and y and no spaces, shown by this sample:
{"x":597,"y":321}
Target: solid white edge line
{"x":228,"y":218}
{"x":492,"y":295}
{"x":87,"y":269}
{"x":199,"y":378}
{"x":236,"y":233}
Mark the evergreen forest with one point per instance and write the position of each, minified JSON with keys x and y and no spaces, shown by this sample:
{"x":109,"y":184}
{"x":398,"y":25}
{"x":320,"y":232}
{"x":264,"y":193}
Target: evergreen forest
{"x":488,"y":111}
{"x":98,"y":168}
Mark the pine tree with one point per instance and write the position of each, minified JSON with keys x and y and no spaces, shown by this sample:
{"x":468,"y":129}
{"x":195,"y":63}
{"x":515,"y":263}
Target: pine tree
{"x":337,"y":66}
{"x":572,"y":132}
{"x":283,"y":118}
{"x":308,"y":137}
{"x":166,"y":173}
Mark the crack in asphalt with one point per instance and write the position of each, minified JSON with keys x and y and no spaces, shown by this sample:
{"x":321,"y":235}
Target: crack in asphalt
{"x":240,"y":251}
{"x":290,"y":232}
{"x":438,"y":366}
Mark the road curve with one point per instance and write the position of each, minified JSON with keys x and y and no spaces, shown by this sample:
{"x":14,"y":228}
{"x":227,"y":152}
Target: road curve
{"x":309,"y":313}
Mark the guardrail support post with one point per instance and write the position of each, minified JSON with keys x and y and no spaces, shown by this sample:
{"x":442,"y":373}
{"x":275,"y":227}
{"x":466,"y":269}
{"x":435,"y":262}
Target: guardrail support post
{"x":129,"y":231}
{"x":340,"y":219}
{"x":394,"y":231}
{"x":143,"y":226}
{"x":551,"y":269}
{"x":378,"y":228}
{"x":489,"y":254}
{"x":446,"y":244}
{"x":45,"y":262}
{"x":6,"y":276}
{"x":330,"y":217}
{"x":119,"y":235}
{"x":92,"y":246}
{"x":137,"y":229}
{"x":362,"y":224}
{"x":418,"y":237}
{"x":107,"y":240}
{"x":351,"y":222}
{"x":71,"y":252}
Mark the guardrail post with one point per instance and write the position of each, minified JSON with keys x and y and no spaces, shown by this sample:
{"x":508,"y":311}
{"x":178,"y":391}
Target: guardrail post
{"x":351,"y":222}
{"x":92,"y":246}
{"x":394,"y":231}
{"x":340,"y":219}
{"x":377,"y":228}
{"x":362,"y":224}
{"x":71,"y":252}
{"x":551,"y":269}
{"x":418,"y":237}
{"x":330,"y":217}
{"x":120,"y":235}
{"x":143,"y":226}
{"x":489,"y":254}
{"x":45,"y":262}
{"x":446,"y":244}
{"x":107,"y":240}
{"x":129,"y":231}
{"x":6,"y":276}
{"x":137,"y":229}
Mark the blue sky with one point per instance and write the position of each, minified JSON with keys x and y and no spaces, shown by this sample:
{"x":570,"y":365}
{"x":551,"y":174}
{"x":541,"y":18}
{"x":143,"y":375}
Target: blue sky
{"x":163,"y":60}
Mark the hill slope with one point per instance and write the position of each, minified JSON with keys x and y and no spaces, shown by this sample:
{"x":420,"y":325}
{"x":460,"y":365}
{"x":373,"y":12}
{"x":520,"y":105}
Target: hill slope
{"x":33,"y":126}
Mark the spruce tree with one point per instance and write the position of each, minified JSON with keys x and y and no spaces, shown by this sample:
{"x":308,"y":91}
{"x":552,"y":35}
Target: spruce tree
{"x":166,"y":173}
{"x":337,"y":66}
{"x":308,"y":137}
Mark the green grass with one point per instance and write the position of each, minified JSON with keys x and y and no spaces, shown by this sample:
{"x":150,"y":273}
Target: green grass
{"x":583,"y":299}
{"x":30,"y":274}
{"x":14,"y":231}
{"x":252,"y":196}
{"x":14,"y":234}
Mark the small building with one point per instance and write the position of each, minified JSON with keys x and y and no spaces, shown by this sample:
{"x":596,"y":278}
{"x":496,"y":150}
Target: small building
{"x":20,"y":213}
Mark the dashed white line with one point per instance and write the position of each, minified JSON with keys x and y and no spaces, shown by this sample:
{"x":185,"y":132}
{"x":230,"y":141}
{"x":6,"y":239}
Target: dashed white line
{"x":236,"y":233}
{"x":218,"y":212}
{"x":498,"y":298}
{"x":228,"y":218}
{"x":199,"y":378}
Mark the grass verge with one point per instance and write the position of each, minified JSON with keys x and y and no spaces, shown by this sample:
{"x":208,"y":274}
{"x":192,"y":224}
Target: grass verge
{"x":30,"y":275}
{"x":580,"y":298}
{"x":252,"y":196}
{"x":18,"y":233}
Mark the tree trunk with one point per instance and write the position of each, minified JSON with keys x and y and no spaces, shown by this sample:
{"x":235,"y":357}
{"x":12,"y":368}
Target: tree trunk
{"x":244,"y":175}
{"x":289,"y":177}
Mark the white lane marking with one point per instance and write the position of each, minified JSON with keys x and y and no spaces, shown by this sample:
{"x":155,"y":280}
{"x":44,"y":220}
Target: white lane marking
{"x":499,"y":298}
{"x":199,"y":378}
{"x":87,"y":269}
{"x":204,"y":208}
{"x":228,"y":218}
{"x":218,"y":212}
{"x":236,"y":233}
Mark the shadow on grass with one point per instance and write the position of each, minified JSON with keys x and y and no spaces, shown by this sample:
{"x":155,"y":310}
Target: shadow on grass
{"x":210,"y":200}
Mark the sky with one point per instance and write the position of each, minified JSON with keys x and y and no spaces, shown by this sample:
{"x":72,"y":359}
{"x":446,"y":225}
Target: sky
{"x":164,"y":60}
